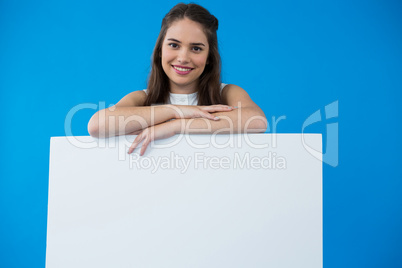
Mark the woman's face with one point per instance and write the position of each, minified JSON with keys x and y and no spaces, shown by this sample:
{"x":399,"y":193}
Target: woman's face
{"x":184,"y":55}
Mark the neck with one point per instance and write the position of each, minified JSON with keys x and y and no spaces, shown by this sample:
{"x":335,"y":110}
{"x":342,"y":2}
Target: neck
{"x":183,"y":89}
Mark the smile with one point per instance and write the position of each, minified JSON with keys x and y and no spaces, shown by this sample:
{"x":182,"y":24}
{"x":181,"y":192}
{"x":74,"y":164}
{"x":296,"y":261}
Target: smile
{"x":181,"y":70}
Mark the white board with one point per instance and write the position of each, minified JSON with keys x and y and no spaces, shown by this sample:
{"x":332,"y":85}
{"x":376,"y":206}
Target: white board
{"x":190,"y":201}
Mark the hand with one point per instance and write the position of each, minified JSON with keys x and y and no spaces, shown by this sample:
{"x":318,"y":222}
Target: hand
{"x":191,"y":111}
{"x":156,"y":132}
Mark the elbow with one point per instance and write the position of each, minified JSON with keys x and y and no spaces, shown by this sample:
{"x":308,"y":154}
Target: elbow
{"x":94,"y":132}
{"x":256,"y":124}
{"x":93,"y":126}
{"x":262,"y":126}
{"x":259,"y":126}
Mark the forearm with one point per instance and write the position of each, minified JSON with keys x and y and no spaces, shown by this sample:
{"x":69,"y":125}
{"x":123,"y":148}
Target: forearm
{"x":241,"y":120}
{"x":116,"y":121}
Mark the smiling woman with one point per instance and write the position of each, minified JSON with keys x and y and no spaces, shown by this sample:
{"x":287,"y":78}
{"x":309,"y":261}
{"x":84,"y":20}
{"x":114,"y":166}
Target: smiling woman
{"x":184,"y":55}
{"x":184,"y":93}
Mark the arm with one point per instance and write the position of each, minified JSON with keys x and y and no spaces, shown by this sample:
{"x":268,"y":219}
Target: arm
{"x":129,"y":115}
{"x":247,"y":118}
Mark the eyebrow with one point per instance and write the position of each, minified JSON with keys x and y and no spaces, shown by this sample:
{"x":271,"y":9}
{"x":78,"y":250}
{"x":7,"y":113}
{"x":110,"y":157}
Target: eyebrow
{"x":193,"y":44}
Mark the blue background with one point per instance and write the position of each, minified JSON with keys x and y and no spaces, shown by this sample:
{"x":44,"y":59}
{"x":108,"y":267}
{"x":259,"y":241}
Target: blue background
{"x":292,"y":57}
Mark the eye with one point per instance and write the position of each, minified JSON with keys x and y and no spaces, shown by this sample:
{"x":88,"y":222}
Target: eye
{"x":173,"y":45}
{"x":197,"y":49}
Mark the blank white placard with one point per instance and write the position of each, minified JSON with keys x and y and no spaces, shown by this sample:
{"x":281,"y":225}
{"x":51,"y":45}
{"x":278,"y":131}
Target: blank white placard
{"x":191,"y":201}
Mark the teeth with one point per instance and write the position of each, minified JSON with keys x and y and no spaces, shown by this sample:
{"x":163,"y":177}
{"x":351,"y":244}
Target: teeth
{"x":182,"y":69}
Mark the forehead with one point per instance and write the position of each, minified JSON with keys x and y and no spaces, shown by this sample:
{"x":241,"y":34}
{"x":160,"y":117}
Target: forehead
{"x":187,"y":31}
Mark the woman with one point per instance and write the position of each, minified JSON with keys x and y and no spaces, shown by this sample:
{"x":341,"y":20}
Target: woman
{"x":184,"y":93}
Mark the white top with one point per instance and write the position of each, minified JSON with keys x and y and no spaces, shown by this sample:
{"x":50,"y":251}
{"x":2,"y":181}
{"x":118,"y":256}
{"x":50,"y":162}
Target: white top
{"x":186,"y":99}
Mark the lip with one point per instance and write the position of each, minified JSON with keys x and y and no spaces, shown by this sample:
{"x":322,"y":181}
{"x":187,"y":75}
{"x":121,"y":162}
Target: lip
{"x":181,"y":72}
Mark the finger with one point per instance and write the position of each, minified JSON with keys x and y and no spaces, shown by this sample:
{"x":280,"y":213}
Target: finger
{"x":223,"y":106}
{"x":218,"y":108}
{"x":132,"y":147}
{"x":231,"y":106}
{"x":144,"y":146}
{"x":209,"y":116}
{"x":134,"y":144}
{"x":212,"y":107}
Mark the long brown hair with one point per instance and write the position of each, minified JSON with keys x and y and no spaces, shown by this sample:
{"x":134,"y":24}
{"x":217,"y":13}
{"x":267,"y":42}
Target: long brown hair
{"x":210,"y":80}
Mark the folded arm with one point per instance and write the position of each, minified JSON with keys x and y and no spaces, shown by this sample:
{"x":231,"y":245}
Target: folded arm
{"x":129,"y":116}
{"x":248,"y":117}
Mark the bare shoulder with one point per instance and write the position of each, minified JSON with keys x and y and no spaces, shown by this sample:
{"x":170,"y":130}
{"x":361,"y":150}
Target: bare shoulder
{"x":135,"y":98}
{"x":232,"y":95}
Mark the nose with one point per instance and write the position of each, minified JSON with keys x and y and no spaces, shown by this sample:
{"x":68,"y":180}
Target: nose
{"x":183,"y":56}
